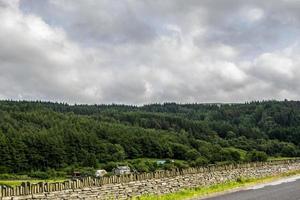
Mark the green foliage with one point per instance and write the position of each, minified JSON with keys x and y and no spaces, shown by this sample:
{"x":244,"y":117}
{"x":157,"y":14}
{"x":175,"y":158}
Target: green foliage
{"x":192,"y":154}
{"x":257,"y":156}
{"x":87,"y":171}
{"x":39,"y":175}
{"x":44,"y":136}
{"x":13,"y":177}
{"x":200,"y":161}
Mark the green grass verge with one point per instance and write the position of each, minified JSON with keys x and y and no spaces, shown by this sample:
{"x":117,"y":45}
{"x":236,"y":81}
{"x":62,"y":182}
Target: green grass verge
{"x":204,"y":191}
{"x":282,"y":158}
{"x":13,"y":183}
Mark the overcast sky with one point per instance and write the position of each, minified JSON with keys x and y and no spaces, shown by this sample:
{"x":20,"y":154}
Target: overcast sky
{"x":146,"y":51}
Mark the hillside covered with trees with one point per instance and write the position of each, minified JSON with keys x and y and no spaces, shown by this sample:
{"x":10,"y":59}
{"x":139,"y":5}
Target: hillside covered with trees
{"x":38,"y":136}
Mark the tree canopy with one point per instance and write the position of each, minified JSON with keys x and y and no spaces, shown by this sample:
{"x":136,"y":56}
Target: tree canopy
{"x":46,"y":135}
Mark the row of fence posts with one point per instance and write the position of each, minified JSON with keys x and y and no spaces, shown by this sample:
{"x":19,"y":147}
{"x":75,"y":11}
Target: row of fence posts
{"x":27,"y":188}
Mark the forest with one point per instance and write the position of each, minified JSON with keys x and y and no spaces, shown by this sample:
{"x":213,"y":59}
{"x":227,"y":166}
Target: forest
{"x":44,"y":136}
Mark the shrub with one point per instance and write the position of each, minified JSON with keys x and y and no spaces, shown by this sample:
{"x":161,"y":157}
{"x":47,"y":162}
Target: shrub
{"x":4,"y":169}
{"x":87,"y":171}
{"x":141,"y":167}
{"x":56,"y":174}
{"x":110,"y":166}
{"x":180,"y":165}
{"x":39,"y":175}
{"x":257,"y":156}
{"x":192,"y":154}
{"x":201,"y":161}
{"x":13,"y":177}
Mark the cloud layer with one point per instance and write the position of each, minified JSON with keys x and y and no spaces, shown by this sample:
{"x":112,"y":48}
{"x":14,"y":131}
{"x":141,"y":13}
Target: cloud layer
{"x":131,"y":51}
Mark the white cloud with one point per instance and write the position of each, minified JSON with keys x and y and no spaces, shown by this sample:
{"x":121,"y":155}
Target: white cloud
{"x":142,"y":52}
{"x":254,"y":14}
{"x":38,"y":61}
{"x":272,"y":65}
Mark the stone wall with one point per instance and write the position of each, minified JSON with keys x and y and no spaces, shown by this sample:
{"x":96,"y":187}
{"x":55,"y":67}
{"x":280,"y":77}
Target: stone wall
{"x":127,"y":186}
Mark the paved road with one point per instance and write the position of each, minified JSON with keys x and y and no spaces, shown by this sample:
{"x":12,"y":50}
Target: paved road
{"x":282,"y":191}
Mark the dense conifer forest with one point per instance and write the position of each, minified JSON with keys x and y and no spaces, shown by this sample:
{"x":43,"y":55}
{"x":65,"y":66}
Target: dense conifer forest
{"x":40,"y":136}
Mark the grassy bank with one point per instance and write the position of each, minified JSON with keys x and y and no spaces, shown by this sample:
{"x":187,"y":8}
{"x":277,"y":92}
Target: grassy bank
{"x":13,"y":183}
{"x":204,"y":191}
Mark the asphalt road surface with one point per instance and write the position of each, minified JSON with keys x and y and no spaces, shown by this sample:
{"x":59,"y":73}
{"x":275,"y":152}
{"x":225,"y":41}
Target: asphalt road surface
{"x":288,"y":189}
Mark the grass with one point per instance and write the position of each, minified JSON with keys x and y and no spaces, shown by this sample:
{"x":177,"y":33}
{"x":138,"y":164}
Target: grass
{"x":13,"y":183}
{"x":281,"y":158}
{"x":204,"y":191}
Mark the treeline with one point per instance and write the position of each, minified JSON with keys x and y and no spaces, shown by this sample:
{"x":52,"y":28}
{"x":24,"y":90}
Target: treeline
{"x":46,"y":135}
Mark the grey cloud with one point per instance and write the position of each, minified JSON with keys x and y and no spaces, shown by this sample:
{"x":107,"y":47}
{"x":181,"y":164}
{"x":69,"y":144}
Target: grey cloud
{"x":89,"y":51}
{"x":95,"y":22}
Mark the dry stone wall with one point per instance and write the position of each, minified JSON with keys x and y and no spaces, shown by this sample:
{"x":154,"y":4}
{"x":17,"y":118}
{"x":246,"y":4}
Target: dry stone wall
{"x":125,"y":187}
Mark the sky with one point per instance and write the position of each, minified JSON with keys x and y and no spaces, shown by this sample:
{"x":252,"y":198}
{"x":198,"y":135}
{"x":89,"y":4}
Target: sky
{"x":149,"y":51}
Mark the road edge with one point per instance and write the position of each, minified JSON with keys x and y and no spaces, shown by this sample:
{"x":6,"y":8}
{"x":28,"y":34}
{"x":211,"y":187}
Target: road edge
{"x":246,"y":186}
